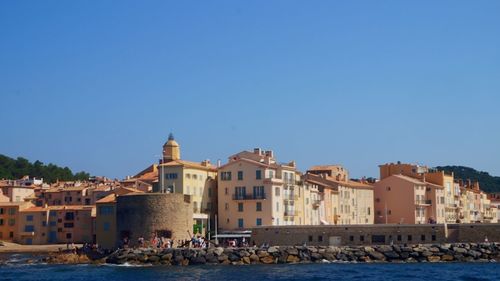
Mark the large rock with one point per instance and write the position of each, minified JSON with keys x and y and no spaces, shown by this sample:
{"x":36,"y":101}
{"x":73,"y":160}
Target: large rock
{"x":218,"y":251}
{"x":376,"y":255}
{"x":292,"y":259}
{"x":447,"y":258}
{"x":433,"y":258}
{"x":245,"y":260}
{"x":292,"y":251}
{"x":272,"y":250}
{"x":391,"y":255}
{"x":267,"y":260}
{"x":254,"y":258}
{"x":198,"y":260}
{"x":153,"y":259}
{"x":384,"y":248}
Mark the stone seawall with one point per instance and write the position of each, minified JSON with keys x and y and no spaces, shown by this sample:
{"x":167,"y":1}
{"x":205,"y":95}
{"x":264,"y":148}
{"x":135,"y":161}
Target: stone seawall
{"x":462,"y":252}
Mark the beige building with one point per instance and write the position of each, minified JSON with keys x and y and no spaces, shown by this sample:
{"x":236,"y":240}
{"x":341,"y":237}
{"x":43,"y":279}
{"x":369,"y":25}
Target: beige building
{"x":253,"y":190}
{"x":199,"y":180}
{"x":341,"y":200}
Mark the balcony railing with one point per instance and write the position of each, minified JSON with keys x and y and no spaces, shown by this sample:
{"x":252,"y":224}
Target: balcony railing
{"x":290,"y":196}
{"x":249,"y":196}
{"x":316,"y":203}
{"x":291,"y":213}
{"x":423,"y":202}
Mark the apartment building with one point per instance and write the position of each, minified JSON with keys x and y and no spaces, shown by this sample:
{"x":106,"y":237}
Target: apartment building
{"x":198,"y":179}
{"x":254,"y":190}
{"x":463,"y":202}
{"x":341,"y":200}
{"x":56,"y":224}
{"x":406,"y":200}
{"x":9,"y":219}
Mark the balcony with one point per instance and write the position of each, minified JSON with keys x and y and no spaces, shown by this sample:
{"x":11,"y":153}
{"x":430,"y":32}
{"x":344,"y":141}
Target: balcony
{"x":27,"y":233}
{"x":316,"y":203}
{"x":290,"y":196}
{"x":423,"y":202}
{"x":291,"y":213}
{"x":249,"y":196}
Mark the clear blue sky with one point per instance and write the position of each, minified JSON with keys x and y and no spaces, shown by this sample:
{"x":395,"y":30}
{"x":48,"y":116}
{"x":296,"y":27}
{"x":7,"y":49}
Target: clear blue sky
{"x":98,"y":85}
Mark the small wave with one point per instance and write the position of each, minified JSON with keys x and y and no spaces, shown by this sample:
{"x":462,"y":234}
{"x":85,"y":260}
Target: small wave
{"x":127,"y":265}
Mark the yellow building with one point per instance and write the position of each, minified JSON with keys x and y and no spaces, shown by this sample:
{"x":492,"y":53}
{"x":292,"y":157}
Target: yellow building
{"x":198,"y":179}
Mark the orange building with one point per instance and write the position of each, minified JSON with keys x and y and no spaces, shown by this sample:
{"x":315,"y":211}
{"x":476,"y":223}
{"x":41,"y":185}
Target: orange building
{"x":9,"y":219}
{"x":56,"y":224}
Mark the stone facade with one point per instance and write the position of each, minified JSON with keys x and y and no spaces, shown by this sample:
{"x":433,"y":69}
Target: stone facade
{"x":147,"y":214}
{"x":374,"y":234}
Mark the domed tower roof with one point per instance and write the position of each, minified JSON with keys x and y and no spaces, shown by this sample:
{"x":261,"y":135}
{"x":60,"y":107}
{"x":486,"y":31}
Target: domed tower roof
{"x":171,"y":141}
{"x":171,"y":150}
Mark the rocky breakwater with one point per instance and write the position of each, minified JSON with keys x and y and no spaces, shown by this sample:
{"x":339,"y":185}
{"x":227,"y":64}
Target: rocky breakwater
{"x":468,"y":252}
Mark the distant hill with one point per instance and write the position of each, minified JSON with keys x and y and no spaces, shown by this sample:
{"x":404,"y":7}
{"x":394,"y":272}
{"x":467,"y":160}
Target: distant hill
{"x":17,"y":168}
{"x":487,"y":182}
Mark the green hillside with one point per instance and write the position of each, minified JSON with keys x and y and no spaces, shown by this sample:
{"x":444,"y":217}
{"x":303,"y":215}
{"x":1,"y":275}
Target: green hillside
{"x":487,"y":182}
{"x":17,"y":168}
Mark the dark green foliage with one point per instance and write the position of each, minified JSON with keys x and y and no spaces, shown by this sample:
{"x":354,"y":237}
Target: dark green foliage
{"x":487,"y":182}
{"x":17,"y":168}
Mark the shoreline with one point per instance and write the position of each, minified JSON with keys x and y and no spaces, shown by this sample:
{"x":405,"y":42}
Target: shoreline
{"x":418,"y":253}
{"x":13,"y":248}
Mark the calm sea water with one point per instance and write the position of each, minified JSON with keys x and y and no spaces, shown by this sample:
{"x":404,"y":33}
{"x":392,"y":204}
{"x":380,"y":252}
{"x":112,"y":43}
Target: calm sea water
{"x":18,"y":271}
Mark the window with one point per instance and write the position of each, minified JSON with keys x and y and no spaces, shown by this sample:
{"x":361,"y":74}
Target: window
{"x":362,"y":238}
{"x":226,"y":206}
{"x":351,"y":238}
{"x":258,"y":206}
{"x":69,"y":216}
{"x":225,"y":176}
{"x":379,"y":213}
{"x":188,"y":176}
{"x":1,"y":221}
{"x":11,"y":234}
{"x":277,"y":206}
{"x":68,"y":225}
{"x":225,"y":190}
{"x":240,"y":192}
{"x":29,"y":228}
{"x":195,"y":177}
{"x":12,"y":222}
{"x":310,"y":238}
{"x":410,"y":238}
{"x":106,"y":226}
{"x":320,"y":238}
{"x":277,"y":191}
{"x":258,"y":174}
{"x":209,"y":192}
{"x":433,"y":237}
{"x":1,"y":211}
{"x":378,"y":238}
{"x":68,"y":235}
{"x":259,"y":221}
{"x":240,"y":175}
{"x":12,"y":211}
{"x":399,"y":237}
{"x":422,"y":237}
{"x":240,"y":223}
{"x":389,"y":212}
{"x":29,"y":218}
{"x":53,"y":223}
{"x":240,"y":207}
{"x":369,"y":211}
{"x":388,"y":188}
{"x":44,"y":223}
{"x":258,"y":192}
{"x":171,"y":176}
{"x":105,"y":210}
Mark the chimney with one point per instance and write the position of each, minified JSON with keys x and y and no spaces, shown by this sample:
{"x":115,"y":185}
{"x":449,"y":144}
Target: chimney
{"x":218,"y":163}
{"x":269,"y":153}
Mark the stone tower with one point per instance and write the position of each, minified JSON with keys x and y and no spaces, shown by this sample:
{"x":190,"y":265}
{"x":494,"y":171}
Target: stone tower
{"x":171,"y":150}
